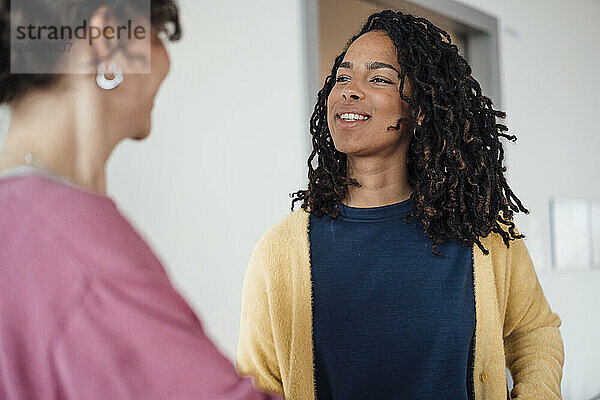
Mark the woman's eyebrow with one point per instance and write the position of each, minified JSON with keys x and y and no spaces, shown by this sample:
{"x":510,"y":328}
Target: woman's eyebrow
{"x":370,"y":66}
{"x":377,"y":65}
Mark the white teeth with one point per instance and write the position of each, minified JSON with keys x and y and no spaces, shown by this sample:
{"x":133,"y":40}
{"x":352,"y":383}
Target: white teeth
{"x":352,"y":117}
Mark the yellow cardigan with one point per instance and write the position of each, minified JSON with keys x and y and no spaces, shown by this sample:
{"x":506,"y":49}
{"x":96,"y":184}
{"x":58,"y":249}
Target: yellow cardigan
{"x":515,"y":326}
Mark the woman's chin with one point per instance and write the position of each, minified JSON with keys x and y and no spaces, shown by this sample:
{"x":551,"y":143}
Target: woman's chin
{"x":142,"y":133}
{"x":348,"y":146}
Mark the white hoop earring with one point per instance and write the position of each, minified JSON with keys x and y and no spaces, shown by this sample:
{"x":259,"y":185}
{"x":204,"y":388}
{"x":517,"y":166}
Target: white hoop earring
{"x":108,"y":80}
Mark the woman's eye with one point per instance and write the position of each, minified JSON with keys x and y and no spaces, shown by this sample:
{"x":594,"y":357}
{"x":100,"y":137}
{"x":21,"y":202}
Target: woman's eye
{"x":342,"y":79}
{"x":380,"y":80}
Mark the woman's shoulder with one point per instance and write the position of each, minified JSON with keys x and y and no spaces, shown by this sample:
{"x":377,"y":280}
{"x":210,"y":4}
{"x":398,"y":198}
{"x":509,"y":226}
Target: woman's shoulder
{"x":289,"y":229}
{"x":283,"y":242}
{"x":503,"y":242}
{"x":507,"y":251}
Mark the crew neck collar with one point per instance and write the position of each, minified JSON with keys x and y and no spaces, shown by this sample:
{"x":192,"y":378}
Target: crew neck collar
{"x":375,"y":214}
{"x":25,"y":171}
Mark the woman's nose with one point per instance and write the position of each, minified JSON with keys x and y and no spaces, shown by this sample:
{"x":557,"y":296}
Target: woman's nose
{"x":352,"y":92}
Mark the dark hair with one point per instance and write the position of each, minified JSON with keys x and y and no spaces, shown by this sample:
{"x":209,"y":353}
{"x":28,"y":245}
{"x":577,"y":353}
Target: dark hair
{"x":164,"y":17}
{"x":455,"y":159}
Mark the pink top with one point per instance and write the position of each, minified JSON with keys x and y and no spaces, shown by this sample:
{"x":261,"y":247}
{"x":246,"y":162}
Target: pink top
{"x":88,"y":312}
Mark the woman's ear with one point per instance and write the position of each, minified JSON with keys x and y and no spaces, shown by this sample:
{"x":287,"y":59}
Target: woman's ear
{"x":126,"y":44}
{"x":101,"y":31}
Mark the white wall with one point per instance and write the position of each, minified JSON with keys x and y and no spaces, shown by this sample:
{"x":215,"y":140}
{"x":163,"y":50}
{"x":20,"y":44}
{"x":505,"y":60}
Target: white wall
{"x":550,"y":58}
{"x":226,"y":150}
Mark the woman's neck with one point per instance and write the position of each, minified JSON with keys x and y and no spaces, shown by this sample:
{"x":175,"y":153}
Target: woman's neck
{"x":383,"y":181}
{"x":64,"y":135}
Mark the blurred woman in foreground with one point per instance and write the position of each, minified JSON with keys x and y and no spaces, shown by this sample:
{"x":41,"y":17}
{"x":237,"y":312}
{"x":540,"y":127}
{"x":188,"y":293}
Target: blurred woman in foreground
{"x":87,"y":311}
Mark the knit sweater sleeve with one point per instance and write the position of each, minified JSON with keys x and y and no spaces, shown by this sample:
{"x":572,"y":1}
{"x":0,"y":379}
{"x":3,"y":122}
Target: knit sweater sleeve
{"x":256,"y":355}
{"x":532,"y":340}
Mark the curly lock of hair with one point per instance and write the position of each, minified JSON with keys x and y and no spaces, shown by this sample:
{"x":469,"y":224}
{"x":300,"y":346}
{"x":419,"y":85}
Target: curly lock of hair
{"x":455,"y":159}
{"x":164,"y":17}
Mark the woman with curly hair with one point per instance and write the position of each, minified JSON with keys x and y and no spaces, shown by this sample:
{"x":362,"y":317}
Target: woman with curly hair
{"x":402,"y":276}
{"x":87,"y":310}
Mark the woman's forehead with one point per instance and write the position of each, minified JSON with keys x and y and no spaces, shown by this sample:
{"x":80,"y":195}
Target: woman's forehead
{"x":372,"y":46}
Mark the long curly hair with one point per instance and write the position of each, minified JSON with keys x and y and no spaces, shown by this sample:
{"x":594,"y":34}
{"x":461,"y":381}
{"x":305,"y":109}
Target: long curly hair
{"x":455,"y":159}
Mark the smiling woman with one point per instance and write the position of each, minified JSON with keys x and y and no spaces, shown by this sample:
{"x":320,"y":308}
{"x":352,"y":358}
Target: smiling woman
{"x":454,"y":130}
{"x":365,"y":100}
{"x":403,"y":274}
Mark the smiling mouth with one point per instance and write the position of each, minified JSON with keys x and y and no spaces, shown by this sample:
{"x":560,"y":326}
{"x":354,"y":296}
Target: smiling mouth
{"x":353,"y":117}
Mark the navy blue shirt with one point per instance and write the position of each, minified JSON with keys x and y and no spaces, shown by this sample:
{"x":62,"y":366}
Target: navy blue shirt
{"x":391,"y":320}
